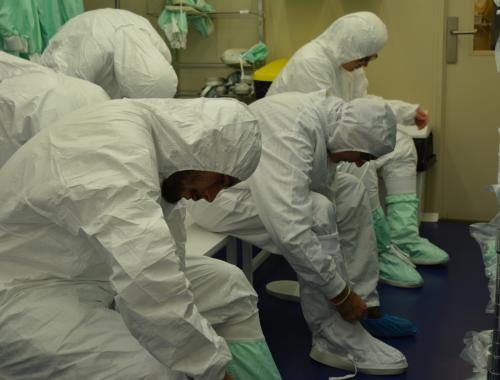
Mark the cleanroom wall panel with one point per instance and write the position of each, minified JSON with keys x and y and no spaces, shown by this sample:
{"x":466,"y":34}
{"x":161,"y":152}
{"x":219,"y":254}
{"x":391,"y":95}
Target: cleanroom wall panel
{"x":97,"y":4}
{"x":291,"y":23}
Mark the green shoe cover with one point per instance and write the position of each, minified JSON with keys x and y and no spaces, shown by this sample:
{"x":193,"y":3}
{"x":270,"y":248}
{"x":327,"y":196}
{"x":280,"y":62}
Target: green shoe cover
{"x":403,"y":226}
{"x":395,"y":267}
{"x":252,"y":361}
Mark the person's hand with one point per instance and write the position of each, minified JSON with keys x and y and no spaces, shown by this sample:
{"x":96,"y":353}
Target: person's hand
{"x":421,"y":118}
{"x":350,"y":306}
{"x":227,"y":376}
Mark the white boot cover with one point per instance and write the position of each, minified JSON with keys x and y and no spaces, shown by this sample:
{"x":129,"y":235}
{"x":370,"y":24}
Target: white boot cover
{"x":349,"y":346}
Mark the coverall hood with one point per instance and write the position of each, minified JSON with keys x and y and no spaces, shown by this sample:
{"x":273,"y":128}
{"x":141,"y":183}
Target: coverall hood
{"x":354,"y":36}
{"x":219,"y":135}
{"x":318,"y":64}
{"x":362,"y":125}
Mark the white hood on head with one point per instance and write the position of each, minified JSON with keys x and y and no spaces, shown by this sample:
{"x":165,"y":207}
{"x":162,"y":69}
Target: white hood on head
{"x":353,"y":36}
{"x":362,"y":125}
{"x":220,"y":135}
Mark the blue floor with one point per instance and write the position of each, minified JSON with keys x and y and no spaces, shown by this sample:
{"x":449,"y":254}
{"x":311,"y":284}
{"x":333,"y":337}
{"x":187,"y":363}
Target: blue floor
{"x":451,"y":302}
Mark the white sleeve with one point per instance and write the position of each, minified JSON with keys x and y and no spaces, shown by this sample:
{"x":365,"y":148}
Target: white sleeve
{"x":175,"y":216}
{"x":141,"y":70}
{"x":405,"y":112}
{"x":280,"y":189}
{"x":153,"y":294}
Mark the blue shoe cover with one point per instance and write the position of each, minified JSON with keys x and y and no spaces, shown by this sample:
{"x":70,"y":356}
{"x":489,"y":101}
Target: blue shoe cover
{"x":389,"y":326}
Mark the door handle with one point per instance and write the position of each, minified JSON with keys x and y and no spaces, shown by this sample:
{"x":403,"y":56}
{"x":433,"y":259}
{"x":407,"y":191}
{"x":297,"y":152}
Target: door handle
{"x":460,"y":32}
{"x":452,"y":34}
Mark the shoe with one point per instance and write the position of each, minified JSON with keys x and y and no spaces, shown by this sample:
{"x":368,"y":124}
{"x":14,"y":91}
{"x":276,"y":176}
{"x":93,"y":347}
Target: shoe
{"x":350,"y":347}
{"x":389,"y":326}
{"x":403,"y":225}
{"x":396,"y":269}
{"x":285,"y":290}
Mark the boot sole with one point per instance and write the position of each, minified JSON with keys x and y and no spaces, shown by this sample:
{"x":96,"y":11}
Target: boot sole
{"x":337,"y":361}
{"x":417,"y":262}
{"x":285,"y":290}
{"x":398,"y":284}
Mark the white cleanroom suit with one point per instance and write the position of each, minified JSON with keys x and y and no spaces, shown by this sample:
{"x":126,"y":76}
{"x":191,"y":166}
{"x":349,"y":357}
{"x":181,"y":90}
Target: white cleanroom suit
{"x":31,"y":99}
{"x":288,"y":206}
{"x":318,"y":65}
{"x":82,"y":226}
{"x":116,"y":49}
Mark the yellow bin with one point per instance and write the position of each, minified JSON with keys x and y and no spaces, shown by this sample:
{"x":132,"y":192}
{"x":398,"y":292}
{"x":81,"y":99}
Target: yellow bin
{"x":263,"y":77}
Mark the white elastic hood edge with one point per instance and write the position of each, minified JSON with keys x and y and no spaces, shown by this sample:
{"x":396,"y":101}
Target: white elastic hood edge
{"x":220,"y":135}
{"x":354,"y":36}
{"x":362,"y":125}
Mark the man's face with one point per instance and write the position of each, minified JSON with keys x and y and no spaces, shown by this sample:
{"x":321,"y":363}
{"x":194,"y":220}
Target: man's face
{"x":359,"y":158}
{"x":195,"y":185}
{"x":358,"y":63}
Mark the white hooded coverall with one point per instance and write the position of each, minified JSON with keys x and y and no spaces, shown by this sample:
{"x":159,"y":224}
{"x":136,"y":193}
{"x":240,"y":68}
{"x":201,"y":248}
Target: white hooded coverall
{"x":116,"y":49}
{"x":287,"y":206}
{"x":33,"y":96}
{"x":81,"y":226}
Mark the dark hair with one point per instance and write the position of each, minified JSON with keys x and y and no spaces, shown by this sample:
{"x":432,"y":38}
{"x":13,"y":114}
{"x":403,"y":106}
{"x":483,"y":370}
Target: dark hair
{"x":367,"y":156}
{"x":170,"y":187}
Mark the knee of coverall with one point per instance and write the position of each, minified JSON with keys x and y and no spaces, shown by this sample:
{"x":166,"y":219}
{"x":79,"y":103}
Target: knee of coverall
{"x":350,"y":194}
{"x":232,"y":299}
{"x":367,"y":174}
{"x":323,"y":215}
{"x":402,"y":161}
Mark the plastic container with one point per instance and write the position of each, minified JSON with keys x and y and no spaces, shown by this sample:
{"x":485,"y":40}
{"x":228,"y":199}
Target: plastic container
{"x":263,"y":77}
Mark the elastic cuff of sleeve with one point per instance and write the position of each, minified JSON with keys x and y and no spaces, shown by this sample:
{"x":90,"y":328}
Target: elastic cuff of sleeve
{"x":334,"y":288}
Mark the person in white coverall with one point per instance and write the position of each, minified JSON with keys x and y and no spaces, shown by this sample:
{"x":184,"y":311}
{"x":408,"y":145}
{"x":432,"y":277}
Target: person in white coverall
{"x":288,"y":206}
{"x":115,"y":49}
{"x":335,"y":60}
{"x":94,"y":283}
{"x":33,"y":97}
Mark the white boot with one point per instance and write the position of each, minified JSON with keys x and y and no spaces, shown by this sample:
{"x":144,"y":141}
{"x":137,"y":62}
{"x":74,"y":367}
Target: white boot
{"x":350,"y":347}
